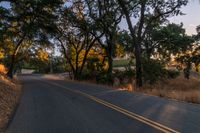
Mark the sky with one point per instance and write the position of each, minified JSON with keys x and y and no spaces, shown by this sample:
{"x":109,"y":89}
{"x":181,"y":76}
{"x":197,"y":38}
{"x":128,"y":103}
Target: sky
{"x":190,"y":21}
{"x":192,"y":18}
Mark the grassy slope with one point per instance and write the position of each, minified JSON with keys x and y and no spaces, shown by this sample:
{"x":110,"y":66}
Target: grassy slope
{"x":9,"y":96}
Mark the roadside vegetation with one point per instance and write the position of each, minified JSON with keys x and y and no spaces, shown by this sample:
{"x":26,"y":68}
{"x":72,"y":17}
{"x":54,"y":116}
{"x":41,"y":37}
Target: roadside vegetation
{"x":10,"y":92}
{"x":84,"y":39}
{"x":180,"y":88}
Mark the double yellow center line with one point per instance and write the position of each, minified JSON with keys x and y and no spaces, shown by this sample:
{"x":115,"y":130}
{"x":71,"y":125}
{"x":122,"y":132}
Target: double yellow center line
{"x":135,"y":116}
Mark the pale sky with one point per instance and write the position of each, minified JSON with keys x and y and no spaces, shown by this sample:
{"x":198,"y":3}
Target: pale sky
{"x":192,"y":18}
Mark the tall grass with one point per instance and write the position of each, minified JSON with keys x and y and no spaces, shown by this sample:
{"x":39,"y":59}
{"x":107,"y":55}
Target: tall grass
{"x":179,"y":88}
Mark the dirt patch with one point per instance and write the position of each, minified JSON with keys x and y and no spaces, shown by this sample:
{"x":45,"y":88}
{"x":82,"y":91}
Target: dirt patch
{"x":10,"y":92}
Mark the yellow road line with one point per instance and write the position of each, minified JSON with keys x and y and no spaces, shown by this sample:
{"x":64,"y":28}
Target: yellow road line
{"x":140,"y":118}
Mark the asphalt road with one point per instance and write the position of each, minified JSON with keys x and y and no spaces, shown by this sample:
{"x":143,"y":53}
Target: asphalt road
{"x":51,"y":105}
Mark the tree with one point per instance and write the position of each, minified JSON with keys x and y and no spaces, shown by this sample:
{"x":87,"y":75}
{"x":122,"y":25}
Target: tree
{"x":190,"y":57}
{"x":4,"y":15}
{"x":146,"y":13}
{"x":107,"y":16}
{"x":164,"y":41}
{"x":76,"y":36}
{"x":124,"y":38}
{"x":29,"y":20}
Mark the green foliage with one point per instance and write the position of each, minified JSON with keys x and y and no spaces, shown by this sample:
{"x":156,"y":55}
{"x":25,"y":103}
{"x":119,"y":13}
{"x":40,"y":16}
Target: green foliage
{"x":24,"y":21}
{"x":94,"y":68}
{"x":188,"y":59}
{"x":59,"y":65}
{"x":92,"y":63}
{"x":166,"y":40}
{"x":127,"y":74}
{"x":125,"y":39}
{"x":102,"y":78}
{"x":106,"y":16}
{"x":173,"y":39}
{"x":32,"y":19}
{"x":153,"y":70}
{"x":85,"y":75}
{"x":172,"y":74}
{"x":148,"y":14}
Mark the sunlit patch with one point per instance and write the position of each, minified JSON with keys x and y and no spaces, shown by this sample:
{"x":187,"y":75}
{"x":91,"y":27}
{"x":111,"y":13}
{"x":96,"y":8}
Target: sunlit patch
{"x":3,"y":69}
{"x":53,"y":77}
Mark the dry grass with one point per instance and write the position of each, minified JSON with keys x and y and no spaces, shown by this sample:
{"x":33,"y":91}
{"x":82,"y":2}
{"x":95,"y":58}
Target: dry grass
{"x":179,"y":88}
{"x":9,"y":96}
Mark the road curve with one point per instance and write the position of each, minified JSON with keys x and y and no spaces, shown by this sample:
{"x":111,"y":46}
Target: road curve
{"x":57,"y":106}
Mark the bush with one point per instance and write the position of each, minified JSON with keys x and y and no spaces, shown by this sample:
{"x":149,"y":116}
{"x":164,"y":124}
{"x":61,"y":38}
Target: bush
{"x":92,"y":63}
{"x":124,"y":74}
{"x":172,"y":74}
{"x":86,"y":75}
{"x":124,"y":77}
{"x":101,"y":78}
{"x":153,"y":70}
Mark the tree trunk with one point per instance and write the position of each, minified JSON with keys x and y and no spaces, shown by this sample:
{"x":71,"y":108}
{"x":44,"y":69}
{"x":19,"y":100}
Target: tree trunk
{"x":68,"y":60}
{"x":109,"y":50}
{"x":148,"y":51}
{"x":11,"y":68}
{"x":196,"y":66}
{"x":110,"y":66}
{"x":84,"y":61}
{"x":12,"y":63}
{"x":138,"y":67}
{"x":136,"y":44}
{"x":76,"y":74}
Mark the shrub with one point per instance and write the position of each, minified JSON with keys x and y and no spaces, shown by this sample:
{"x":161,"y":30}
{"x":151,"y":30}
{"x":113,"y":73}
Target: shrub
{"x":124,"y":77}
{"x":124,"y":74}
{"x":86,"y":75}
{"x":153,"y":70}
{"x":172,"y":74}
{"x":101,"y":78}
{"x":92,"y":63}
